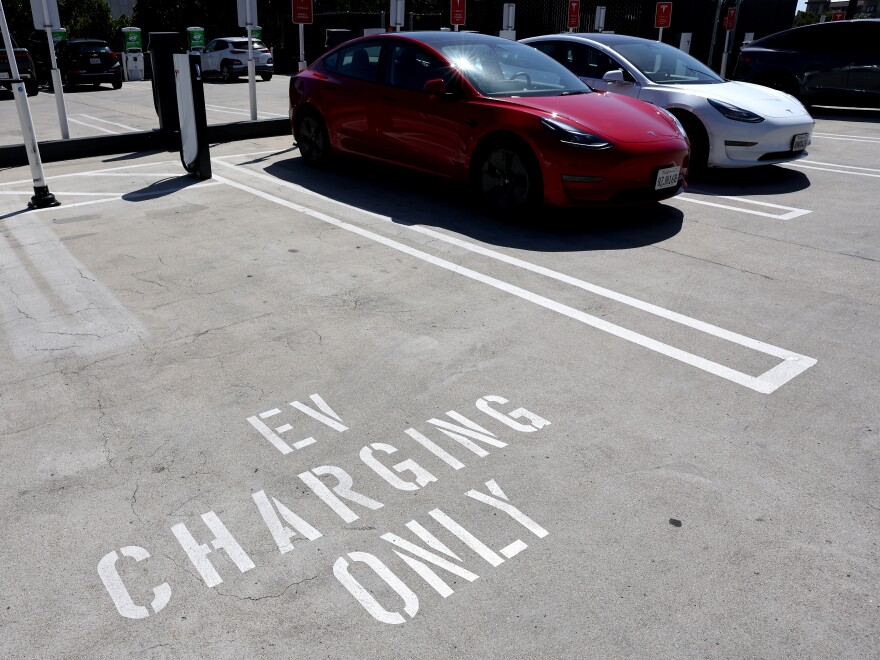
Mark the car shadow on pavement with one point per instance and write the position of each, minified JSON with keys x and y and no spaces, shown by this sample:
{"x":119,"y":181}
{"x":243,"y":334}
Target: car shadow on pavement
{"x":765,"y":180}
{"x":411,"y":198}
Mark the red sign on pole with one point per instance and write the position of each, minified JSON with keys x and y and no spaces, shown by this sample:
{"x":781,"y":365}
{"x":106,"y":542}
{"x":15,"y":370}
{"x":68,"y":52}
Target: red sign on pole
{"x":302,"y":11}
{"x":730,"y":21}
{"x":838,"y":15}
{"x":663,"y":15}
{"x":574,"y":13}
{"x":457,"y":12}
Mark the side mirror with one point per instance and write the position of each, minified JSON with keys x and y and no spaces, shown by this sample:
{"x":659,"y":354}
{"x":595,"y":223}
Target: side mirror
{"x":435,"y":86}
{"x":613,"y":76}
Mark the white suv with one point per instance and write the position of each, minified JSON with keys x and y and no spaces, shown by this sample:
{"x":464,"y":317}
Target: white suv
{"x":227,"y":58}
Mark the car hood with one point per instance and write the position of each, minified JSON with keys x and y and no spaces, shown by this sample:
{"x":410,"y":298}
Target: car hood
{"x":612,"y":116}
{"x":762,"y":100}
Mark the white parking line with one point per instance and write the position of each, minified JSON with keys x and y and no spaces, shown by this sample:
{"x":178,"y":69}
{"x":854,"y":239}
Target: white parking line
{"x":235,"y":111}
{"x":55,"y":192}
{"x":851,"y":138}
{"x":792,"y":364}
{"x":112,"y":123}
{"x":839,"y":169}
{"x":226,"y":107}
{"x":792,"y":212}
{"x":97,"y":128}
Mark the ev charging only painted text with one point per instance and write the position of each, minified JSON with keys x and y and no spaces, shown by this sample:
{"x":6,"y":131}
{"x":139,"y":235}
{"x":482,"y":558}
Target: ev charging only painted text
{"x":343,"y":499}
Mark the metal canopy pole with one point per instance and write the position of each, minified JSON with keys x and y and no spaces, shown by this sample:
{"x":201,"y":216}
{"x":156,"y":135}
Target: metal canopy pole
{"x":42,"y":197}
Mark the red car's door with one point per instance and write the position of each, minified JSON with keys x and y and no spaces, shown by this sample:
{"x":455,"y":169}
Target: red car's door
{"x":414,"y":127}
{"x":349,"y":97}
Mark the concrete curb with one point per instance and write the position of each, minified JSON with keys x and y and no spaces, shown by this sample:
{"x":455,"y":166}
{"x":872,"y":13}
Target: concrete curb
{"x":155,"y":140}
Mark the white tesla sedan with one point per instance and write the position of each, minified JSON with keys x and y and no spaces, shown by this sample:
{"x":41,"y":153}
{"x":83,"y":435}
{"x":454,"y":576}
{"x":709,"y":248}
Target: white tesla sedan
{"x":730,"y":124}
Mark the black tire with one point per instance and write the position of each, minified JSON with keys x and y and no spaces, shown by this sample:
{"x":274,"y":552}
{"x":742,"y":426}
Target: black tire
{"x":312,"y":139}
{"x":699,"y":139}
{"x":32,"y":88}
{"x":226,"y":74}
{"x":266,"y":76}
{"x":117,"y":84}
{"x":66,"y":85}
{"x":507,"y":179}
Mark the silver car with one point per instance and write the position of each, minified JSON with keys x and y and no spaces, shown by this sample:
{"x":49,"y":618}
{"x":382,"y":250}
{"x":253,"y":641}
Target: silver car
{"x":729,"y":124}
{"x":227,"y":58}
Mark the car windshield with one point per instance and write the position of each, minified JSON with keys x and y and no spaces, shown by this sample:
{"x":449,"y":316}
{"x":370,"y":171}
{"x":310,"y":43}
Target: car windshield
{"x":243,"y":44}
{"x":92,"y":47}
{"x":512,"y":69}
{"x":664,"y":64}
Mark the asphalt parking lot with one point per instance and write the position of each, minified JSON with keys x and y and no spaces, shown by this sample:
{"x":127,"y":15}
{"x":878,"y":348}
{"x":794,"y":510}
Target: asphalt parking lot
{"x":286,"y":412}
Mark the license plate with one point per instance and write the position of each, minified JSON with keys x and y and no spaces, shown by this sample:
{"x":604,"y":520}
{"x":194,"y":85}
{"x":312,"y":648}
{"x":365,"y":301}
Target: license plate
{"x":668,"y":176}
{"x":5,"y":76}
{"x":800,"y":141}
{"x":95,"y":60}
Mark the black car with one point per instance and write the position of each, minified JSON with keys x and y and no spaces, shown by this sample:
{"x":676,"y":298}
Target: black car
{"x":26,"y":68}
{"x":836,"y":63}
{"x":88,"y":62}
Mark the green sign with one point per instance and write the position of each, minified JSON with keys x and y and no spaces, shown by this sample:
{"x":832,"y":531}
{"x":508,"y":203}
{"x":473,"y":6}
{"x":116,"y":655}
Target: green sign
{"x":58,"y":35}
{"x":257,"y":33}
{"x":196,"y":38}
{"x":133,"y":39}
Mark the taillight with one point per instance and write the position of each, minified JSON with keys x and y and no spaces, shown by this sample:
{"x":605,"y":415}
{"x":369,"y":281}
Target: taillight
{"x":22,"y":56}
{"x":264,"y":50}
{"x":114,"y":56}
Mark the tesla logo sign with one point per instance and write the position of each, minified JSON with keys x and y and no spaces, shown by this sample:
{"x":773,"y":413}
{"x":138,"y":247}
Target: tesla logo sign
{"x":731,"y":18}
{"x":457,"y":11}
{"x":574,"y":13}
{"x":838,"y":15}
{"x":302,"y":11}
{"x":663,"y":15}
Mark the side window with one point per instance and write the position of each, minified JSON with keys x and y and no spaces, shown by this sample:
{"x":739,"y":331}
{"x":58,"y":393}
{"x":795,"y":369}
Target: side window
{"x":411,"y":67}
{"x":210,"y":47}
{"x":586,"y":61}
{"x":546,"y":47}
{"x":360,"y":61}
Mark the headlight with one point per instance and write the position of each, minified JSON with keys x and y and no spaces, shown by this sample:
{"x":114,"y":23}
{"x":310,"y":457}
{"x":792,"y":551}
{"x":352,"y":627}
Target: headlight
{"x":674,"y":120}
{"x":737,"y":114}
{"x":575,"y":137}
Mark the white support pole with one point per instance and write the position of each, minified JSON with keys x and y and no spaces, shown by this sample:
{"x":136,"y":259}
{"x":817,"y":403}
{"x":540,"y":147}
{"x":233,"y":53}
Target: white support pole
{"x":42,"y":197}
{"x":252,"y":67}
{"x":56,"y":78}
{"x":58,"y":88}
{"x":723,"y":72}
{"x":302,"y":47}
{"x":660,"y":36}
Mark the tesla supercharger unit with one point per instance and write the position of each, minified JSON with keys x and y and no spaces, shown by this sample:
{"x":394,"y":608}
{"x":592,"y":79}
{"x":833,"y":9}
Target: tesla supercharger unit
{"x":133,"y":65}
{"x":508,"y":20}
{"x":397,"y":14}
{"x":195,"y":37}
{"x":163,"y":46}
{"x":685,"y":44}
{"x":194,"y":152}
{"x":599,"y":23}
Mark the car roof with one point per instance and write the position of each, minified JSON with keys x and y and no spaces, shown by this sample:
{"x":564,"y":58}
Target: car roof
{"x":608,"y":39}
{"x":758,"y":43}
{"x":435,"y":38}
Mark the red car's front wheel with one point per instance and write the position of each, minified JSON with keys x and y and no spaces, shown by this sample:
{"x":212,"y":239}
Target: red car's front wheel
{"x":312,"y":139}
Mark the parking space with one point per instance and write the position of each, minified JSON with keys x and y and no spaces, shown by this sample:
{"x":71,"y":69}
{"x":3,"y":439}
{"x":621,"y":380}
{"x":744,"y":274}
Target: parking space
{"x":341,"y":413}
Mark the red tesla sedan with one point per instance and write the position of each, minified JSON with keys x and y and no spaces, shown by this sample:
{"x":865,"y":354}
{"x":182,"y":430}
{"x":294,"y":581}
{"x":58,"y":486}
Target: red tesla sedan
{"x":501,"y":116}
